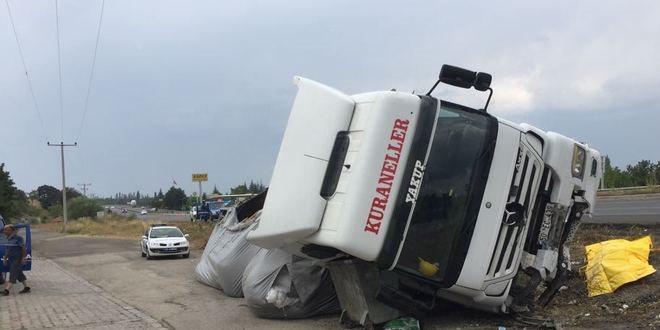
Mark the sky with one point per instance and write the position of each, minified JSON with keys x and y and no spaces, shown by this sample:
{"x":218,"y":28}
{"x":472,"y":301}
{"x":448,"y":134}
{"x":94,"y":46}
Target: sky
{"x":182,"y":87}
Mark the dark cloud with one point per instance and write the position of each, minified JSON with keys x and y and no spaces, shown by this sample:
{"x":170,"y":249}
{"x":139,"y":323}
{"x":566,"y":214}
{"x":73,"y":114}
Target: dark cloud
{"x":205,"y":86}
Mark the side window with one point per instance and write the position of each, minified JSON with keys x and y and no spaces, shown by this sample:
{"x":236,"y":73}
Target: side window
{"x":146,"y":232}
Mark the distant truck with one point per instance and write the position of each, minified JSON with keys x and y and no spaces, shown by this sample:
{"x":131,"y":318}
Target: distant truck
{"x":440,"y":200}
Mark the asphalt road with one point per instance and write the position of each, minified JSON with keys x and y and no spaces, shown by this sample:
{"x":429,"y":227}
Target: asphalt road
{"x":164,"y":288}
{"x":640,"y":209}
{"x":165,"y":216}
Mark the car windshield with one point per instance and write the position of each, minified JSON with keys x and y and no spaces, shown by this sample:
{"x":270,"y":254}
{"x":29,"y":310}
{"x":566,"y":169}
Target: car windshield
{"x":448,"y":186}
{"x":166,"y":232}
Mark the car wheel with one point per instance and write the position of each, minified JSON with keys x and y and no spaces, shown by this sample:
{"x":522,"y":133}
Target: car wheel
{"x":185,"y":256}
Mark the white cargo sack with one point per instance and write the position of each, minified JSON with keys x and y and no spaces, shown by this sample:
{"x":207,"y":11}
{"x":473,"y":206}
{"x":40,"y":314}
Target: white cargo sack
{"x":279,"y":285}
{"x":227,"y":253}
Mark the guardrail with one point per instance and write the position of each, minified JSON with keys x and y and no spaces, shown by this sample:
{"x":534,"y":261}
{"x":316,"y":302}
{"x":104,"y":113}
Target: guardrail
{"x":629,"y":190}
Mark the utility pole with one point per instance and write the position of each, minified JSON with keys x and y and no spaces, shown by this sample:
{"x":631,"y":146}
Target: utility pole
{"x":602,"y":177}
{"x":62,"y":145}
{"x":84,"y":187}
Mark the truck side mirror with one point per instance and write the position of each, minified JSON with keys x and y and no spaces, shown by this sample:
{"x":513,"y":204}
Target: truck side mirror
{"x":456,"y":76}
{"x":482,"y":82}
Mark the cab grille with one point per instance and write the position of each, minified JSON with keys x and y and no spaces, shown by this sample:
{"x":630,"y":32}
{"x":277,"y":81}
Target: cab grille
{"x":523,"y":189}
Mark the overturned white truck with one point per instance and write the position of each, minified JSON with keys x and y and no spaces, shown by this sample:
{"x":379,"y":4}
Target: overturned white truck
{"x":424,"y":199}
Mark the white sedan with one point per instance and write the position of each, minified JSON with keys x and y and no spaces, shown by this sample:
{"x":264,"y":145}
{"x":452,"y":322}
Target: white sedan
{"x":164,"y":240}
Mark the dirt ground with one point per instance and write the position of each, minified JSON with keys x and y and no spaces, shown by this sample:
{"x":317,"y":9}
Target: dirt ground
{"x":632,"y":306}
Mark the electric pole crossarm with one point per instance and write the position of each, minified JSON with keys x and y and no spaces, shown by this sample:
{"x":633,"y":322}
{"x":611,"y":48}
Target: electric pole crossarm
{"x":83,"y":187}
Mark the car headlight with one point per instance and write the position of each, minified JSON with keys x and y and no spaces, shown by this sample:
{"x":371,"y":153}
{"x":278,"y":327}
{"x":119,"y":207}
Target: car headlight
{"x":577,"y":164}
{"x":153,"y":244}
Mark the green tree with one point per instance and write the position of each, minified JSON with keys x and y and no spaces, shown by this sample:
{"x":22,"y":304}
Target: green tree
{"x":83,"y":207}
{"x":175,"y":199}
{"x":252,"y":188}
{"x":13,"y":201}
{"x":48,"y":196}
{"x":614,"y":177}
{"x":240,"y":189}
{"x":71,"y":193}
{"x":642,"y":173}
{"x":215,"y":190}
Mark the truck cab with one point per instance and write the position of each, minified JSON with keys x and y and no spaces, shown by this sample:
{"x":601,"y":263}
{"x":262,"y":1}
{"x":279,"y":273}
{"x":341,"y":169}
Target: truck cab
{"x":442,"y":197}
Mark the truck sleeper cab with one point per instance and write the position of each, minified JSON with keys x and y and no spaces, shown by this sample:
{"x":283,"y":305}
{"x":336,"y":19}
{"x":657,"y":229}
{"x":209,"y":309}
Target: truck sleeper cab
{"x":449,"y":198}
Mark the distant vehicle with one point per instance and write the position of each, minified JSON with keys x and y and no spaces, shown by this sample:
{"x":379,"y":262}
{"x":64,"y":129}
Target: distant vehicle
{"x":132,"y":202}
{"x":143,"y":212}
{"x":164,"y":240}
{"x":209,"y":210}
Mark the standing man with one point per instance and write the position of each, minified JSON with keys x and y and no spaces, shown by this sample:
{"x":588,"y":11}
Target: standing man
{"x":16,"y":256}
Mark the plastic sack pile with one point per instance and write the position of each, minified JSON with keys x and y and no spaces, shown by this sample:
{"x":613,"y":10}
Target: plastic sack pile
{"x":226,"y":255}
{"x":613,"y":263}
{"x":275,"y":284}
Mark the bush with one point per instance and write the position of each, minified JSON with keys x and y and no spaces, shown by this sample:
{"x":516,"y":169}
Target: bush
{"x":80,"y":207}
{"x":55,"y":211}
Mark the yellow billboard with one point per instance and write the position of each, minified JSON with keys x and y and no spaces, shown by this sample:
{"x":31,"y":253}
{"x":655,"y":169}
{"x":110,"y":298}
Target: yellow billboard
{"x":200,"y":177}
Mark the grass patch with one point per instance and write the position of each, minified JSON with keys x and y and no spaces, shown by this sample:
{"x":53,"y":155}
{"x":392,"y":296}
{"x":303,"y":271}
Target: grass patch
{"x":129,"y":229}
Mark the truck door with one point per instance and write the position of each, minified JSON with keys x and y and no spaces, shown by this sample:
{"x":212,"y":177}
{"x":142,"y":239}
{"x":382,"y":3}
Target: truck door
{"x":23,"y":230}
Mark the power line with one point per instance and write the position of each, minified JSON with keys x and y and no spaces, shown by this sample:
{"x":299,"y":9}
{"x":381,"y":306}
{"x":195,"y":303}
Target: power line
{"x":91,"y":74}
{"x":20,"y":52}
{"x":59,"y":66}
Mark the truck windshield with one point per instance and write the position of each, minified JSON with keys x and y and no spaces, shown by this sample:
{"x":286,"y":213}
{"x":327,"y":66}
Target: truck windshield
{"x":450,"y":194}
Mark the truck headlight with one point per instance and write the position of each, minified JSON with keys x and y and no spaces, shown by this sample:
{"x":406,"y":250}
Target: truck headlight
{"x":577,"y":164}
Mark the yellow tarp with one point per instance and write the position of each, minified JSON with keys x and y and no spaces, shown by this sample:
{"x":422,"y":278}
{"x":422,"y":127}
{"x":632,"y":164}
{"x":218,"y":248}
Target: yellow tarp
{"x":613,"y":263}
